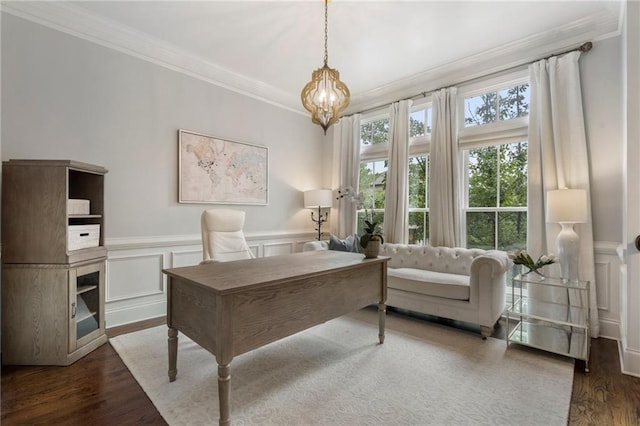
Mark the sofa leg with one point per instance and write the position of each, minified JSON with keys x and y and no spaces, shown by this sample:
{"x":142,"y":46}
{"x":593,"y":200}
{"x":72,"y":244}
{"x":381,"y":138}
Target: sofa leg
{"x":485,"y":331}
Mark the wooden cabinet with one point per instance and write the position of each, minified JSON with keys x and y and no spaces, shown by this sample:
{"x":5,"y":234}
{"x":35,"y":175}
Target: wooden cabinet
{"x":53,"y":287}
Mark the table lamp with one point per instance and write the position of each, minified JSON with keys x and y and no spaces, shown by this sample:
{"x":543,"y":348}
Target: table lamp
{"x":567,"y":207}
{"x":318,"y":199}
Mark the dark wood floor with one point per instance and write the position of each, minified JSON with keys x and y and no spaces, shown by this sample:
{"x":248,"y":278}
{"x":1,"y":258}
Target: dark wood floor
{"x":99,"y":390}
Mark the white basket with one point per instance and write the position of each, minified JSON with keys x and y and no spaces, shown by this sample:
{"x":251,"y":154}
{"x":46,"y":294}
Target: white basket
{"x":75,"y":207}
{"x":83,"y":236}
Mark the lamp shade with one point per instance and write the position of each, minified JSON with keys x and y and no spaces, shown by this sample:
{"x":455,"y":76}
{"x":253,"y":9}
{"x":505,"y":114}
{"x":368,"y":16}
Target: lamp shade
{"x":567,"y":205}
{"x":318,"y":198}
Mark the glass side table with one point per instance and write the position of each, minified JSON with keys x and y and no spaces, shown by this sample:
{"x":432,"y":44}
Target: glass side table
{"x":551,"y":314}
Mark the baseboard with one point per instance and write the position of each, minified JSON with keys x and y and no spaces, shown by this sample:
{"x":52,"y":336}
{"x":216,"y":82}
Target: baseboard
{"x":136,"y":313}
{"x":629,"y":360}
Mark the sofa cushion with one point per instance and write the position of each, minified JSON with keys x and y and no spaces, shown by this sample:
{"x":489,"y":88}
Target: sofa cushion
{"x":350,"y":244}
{"x":437,"y":284}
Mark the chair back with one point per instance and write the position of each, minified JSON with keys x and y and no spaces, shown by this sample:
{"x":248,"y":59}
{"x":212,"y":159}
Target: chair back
{"x":222,"y":236}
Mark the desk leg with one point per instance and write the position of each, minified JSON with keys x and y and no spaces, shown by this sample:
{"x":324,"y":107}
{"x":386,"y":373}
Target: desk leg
{"x":382,"y":310}
{"x":173,"y":353}
{"x":224,"y":378}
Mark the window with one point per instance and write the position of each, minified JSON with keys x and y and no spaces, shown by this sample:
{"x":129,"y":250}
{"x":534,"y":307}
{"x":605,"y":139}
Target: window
{"x":371,"y":187}
{"x":494,"y":143}
{"x":420,"y":121}
{"x":418,"y":200}
{"x":374,"y":132}
{"x":496,"y":216}
{"x":511,"y":102}
{"x":374,"y":146}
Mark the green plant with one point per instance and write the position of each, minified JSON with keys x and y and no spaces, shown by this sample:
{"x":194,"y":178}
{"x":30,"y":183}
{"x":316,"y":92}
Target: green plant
{"x":372,"y":232}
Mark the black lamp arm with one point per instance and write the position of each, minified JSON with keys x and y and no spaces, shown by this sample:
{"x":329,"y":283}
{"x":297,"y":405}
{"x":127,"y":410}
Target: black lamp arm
{"x":320,"y":220}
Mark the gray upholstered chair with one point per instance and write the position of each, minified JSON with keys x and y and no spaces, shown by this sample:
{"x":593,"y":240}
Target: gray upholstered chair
{"x":222,"y":236}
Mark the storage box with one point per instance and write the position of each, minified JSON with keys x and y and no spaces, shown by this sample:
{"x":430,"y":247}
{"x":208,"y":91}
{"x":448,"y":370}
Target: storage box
{"x":75,"y":206}
{"x":83,"y":236}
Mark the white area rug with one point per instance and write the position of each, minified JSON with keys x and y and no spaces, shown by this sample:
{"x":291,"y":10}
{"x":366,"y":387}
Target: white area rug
{"x":337,"y":374}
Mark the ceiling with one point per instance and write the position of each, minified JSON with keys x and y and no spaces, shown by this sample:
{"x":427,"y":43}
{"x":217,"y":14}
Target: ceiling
{"x":383,"y":49}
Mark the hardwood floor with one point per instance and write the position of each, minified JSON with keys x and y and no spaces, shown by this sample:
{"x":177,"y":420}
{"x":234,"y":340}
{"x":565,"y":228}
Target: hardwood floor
{"x":99,"y":390}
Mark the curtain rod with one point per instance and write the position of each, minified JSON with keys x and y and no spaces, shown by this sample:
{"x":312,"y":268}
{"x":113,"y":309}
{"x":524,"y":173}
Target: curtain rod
{"x":584,"y":47}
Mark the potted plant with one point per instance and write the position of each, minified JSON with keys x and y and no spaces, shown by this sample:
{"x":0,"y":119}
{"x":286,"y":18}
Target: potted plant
{"x":371,"y":239}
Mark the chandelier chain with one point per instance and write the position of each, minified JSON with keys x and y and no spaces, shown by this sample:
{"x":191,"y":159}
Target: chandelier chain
{"x":326,"y":18}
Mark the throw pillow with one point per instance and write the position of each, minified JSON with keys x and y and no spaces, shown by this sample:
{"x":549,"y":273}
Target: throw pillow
{"x":349,"y":244}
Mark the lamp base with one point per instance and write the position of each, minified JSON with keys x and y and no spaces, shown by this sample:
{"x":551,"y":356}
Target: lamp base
{"x":568,"y":252}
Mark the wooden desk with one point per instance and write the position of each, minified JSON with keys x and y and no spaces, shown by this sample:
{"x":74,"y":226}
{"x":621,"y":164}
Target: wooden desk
{"x":233,"y":307}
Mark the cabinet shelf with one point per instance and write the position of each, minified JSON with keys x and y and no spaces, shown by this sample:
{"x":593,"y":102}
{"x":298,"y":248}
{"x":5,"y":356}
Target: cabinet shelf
{"x":85,"y":288}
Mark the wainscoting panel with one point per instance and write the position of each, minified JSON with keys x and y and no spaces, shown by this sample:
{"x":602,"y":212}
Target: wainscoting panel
{"x":134,"y":276}
{"x":276,"y":249}
{"x":185,"y":258}
{"x":607,"y":274}
{"x":136,"y":285}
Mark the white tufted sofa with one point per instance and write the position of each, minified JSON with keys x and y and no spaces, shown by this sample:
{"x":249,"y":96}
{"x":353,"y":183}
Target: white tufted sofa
{"x":456,"y":283}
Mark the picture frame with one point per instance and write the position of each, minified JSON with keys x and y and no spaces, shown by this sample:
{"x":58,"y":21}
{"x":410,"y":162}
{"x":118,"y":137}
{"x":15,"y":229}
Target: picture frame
{"x":214,"y":170}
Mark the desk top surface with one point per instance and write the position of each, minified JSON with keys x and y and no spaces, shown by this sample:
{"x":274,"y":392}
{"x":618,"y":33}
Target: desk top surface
{"x":230,"y":277}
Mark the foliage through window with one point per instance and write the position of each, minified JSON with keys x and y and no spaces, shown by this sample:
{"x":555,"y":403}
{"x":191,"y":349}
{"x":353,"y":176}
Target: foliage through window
{"x":418,"y":200}
{"x":371,"y":187}
{"x":374,"y":132}
{"x":500,"y":105}
{"x":420,"y":122}
{"x":496,"y":216}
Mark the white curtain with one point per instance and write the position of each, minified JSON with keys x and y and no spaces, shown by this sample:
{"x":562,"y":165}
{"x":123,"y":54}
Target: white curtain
{"x":346,"y":161}
{"x":558,"y":158}
{"x":397,"y":188}
{"x":444,"y":203}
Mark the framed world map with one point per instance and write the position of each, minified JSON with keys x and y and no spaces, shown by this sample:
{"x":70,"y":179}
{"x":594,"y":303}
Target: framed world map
{"x":214,"y":170}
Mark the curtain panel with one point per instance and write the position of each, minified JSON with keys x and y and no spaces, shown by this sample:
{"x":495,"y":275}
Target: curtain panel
{"x":346,"y":161}
{"x":397,"y":187}
{"x":558,"y":158}
{"x":444,"y":191}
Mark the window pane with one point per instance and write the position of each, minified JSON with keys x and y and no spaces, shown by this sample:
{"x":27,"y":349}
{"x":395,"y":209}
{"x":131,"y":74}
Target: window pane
{"x":418,"y":182}
{"x":374,"y":132}
{"x":480,"y":109}
{"x":481,"y":228}
{"x":429,"y":111}
{"x":483,"y":177}
{"x":416,"y":123}
{"x":512,"y":230}
{"x":513,"y":174}
{"x":418,"y":228}
{"x":373,"y":180}
{"x":514,"y":102}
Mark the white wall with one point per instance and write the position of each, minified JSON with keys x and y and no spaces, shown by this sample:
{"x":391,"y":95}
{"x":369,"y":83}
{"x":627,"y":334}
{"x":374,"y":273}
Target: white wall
{"x":601,"y":80}
{"x":67,"y":98}
{"x":63,"y":97}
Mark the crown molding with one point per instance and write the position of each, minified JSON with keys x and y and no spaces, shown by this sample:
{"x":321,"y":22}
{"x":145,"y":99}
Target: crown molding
{"x":87,"y":26}
{"x":509,"y":56}
{"x":71,"y":20}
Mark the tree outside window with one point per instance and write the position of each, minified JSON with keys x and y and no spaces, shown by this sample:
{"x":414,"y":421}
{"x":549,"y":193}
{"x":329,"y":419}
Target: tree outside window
{"x":418,"y":200}
{"x":497,"y":199}
{"x":371,"y":187}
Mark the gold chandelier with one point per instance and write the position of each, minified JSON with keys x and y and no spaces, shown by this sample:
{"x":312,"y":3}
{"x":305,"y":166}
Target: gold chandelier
{"x":325,"y":96}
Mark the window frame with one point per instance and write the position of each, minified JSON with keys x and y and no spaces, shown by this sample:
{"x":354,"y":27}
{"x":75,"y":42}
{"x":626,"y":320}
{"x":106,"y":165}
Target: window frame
{"x":488,"y":135}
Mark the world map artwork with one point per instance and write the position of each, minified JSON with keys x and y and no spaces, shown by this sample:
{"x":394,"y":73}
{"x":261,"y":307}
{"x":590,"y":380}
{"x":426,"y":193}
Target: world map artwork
{"x":215,"y":170}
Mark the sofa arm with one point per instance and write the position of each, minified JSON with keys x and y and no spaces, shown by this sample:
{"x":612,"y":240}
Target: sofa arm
{"x":315,"y":246}
{"x":488,"y":282}
{"x":497,"y":260}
